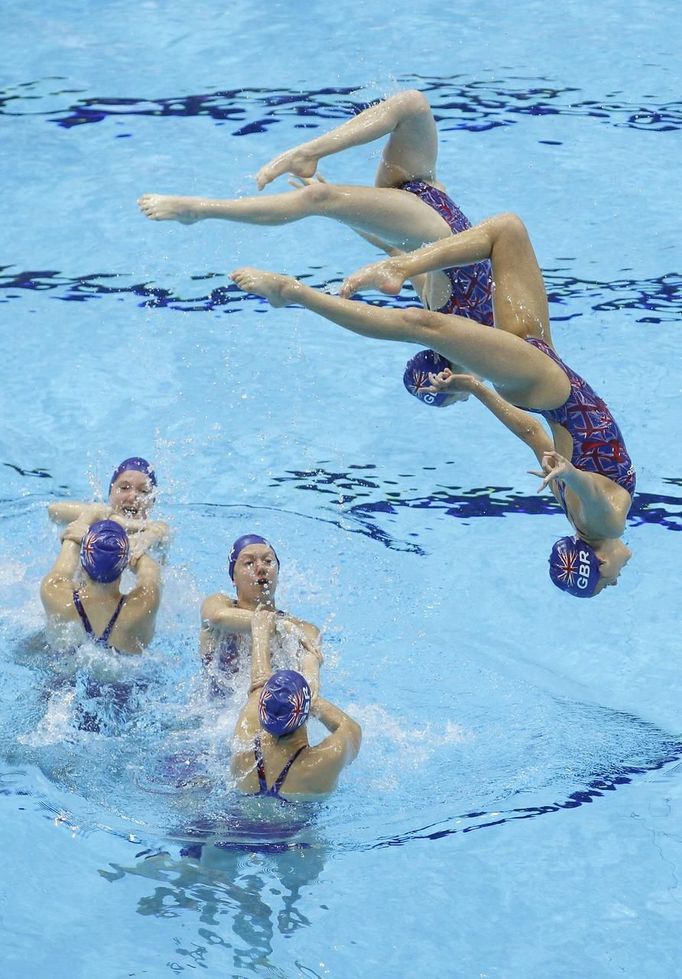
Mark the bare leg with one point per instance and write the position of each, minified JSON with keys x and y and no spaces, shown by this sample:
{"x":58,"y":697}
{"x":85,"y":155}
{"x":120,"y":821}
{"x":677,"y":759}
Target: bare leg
{"x":520,"y":300}
{"x":395,"y":216}
{"x":410,"y":153}
{"x":521,"y":373}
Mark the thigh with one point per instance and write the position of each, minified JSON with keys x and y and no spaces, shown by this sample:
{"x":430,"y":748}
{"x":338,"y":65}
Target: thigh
{"x":522,"y":373}
{"x":396,"y":216}
{"x":412,"y":147}
{"x":519,"y":296}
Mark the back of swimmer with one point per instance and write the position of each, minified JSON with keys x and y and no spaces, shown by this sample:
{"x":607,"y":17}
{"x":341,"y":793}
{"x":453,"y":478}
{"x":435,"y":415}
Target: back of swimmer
{"x":83,"y":586}
{"x":272,"y":755}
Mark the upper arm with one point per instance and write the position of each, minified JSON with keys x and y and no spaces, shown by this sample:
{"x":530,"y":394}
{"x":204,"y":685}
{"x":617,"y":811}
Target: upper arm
{"x":145,"y":597}
{"x":55,"y":593}
{"x":341,"y":747}
{"x":220,"y":612}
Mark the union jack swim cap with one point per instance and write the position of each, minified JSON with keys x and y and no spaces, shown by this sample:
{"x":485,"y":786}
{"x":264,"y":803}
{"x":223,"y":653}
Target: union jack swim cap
{"x":416,"y":377}
{"x":574,"y":567}
{"x":284,"y":702}
{"x":104,"y":551}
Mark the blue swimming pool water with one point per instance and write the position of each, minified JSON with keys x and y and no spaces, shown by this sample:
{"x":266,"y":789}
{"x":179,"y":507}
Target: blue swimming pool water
{"x":515,"y":809}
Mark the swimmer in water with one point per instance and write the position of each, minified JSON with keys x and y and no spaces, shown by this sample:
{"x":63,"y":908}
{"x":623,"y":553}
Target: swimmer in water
{"x":272,"y":755}
{"x":132,"y":492}
{"x":584,"y":462}
{"x":406,"y":208}
{"x":225,"y":636}
{"x":100,"y":553}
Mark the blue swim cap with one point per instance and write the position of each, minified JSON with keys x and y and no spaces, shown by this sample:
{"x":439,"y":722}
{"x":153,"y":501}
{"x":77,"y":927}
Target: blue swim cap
{"x":574,"y":567}
{"x":240,"y":544}
{"x":137,"y":464}
{"x":284,"y":702}
{"x":104,"y":551}
{"x":416,"y":376}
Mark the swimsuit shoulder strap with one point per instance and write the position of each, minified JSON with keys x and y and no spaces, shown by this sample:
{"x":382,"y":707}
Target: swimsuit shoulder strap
{"x":82,"y":613}
{"x":104,"y":638}
{"x":279,"y":781}
{"x":260,"y":765}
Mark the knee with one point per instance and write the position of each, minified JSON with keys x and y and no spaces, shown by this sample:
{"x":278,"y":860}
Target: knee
{"x":412,"y":102}
{"x":317,"y":197}
{"x":510,"y":226}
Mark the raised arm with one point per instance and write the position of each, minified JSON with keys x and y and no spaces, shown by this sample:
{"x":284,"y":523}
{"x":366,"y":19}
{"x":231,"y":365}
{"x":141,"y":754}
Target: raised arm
{"x":343,"y":742}
{"x":56,"y":588}
{"x":310,"y":644}
{"x":248,"y":723}
{"x":262,"y":628}
{"x":145,"y":535}
{"x":142,"y":603}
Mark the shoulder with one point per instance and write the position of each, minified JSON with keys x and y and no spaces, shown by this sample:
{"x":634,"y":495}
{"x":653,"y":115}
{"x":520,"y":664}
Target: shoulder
{"x":216,"y":603}
{"x":56,"y":593}
{"x":309,"y":630}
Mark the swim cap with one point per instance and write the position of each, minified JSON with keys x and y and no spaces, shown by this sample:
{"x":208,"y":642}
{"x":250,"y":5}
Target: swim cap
{"x":104,"y":551}
{"x":240,"y":544}
{"x":416,"y":376}
{"x":574,"y":567}
{"x":284,"y":702}
{"x":136,"y":463}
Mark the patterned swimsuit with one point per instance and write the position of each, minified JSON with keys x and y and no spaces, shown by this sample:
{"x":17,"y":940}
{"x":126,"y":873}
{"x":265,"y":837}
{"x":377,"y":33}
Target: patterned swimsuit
{"x":471,"y":285}
{"x":598,"y":445}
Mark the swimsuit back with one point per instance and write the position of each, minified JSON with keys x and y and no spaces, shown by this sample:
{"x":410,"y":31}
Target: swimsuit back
{"x":598,"y":444}
{"x":471,"y":285}
{"x":274,"y":790}
{"x":102,"y":640}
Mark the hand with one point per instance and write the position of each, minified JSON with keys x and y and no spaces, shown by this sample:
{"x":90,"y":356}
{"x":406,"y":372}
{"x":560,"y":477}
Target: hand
{"x":554,"y":466}
{"x":451,"y":383}
{"x":77,"y":530}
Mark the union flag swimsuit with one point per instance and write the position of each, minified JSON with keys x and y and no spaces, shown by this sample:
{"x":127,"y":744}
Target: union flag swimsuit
{"x":598,"y":445}
{"x":471,"y":285}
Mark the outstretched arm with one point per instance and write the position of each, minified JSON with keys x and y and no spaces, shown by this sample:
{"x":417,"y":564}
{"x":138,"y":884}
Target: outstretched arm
{"x":521,"y":423}
{"x":66,"y":511}
{"x":56,"y":588}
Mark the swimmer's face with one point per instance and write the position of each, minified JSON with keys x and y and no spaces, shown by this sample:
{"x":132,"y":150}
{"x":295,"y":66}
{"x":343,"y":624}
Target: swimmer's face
{"x":612,"y":555}
{"x":256,"y":573}
{"x":132,"y":494}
